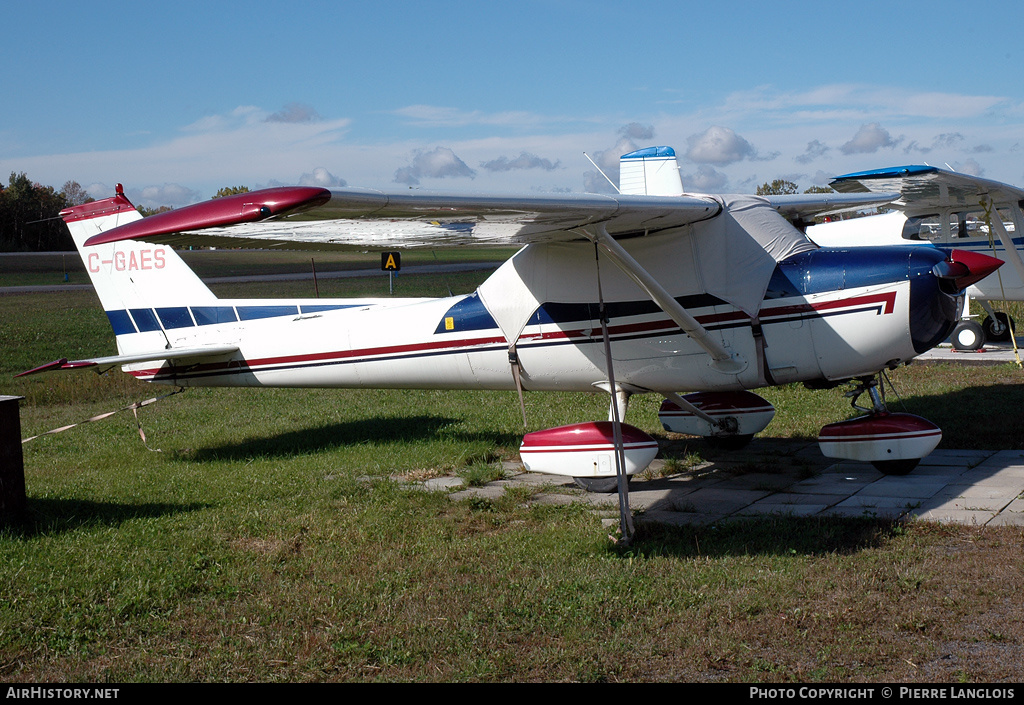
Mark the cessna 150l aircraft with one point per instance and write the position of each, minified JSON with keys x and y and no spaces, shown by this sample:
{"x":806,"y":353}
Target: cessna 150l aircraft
{"x":943,"y":208}
{"x":648,"y":291}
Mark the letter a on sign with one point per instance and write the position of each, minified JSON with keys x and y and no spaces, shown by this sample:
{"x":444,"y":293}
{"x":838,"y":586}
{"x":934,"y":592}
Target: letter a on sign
{"x":390,"y":261}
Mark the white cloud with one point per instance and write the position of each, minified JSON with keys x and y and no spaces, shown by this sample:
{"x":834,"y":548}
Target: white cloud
{"x":294,"y":112}
{"x":608,"y":161}
{"x":164,"y":195}
{"x":321,"y":177}
{"x":437,"y":116}
{"x":706,"y":180}
{"x":869,"y":139}
{"x":970,"y":166}
{"x":525,"y":160}
{"x":720,"y":146}
{"x":845,"y":101}
{"x":439,"y":163}
{"x":237,"y":147}
{"x":637,"y":131}
{"x":815,"y":149}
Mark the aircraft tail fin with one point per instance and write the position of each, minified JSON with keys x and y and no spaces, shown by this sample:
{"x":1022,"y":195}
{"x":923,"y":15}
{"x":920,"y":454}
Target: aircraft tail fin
{"x":652,"y":172}
{"x":135,"y":281}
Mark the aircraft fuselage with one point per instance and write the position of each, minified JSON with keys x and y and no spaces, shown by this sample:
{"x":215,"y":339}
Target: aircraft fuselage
{"x":827,"y":315}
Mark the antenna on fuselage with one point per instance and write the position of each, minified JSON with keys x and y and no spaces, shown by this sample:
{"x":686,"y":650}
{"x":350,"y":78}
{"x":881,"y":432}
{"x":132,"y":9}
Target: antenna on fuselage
{"x":602,"y":172}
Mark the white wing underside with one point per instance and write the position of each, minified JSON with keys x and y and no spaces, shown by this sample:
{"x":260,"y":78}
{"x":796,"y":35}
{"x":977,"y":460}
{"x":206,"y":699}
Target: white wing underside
{"x":365,"y":219}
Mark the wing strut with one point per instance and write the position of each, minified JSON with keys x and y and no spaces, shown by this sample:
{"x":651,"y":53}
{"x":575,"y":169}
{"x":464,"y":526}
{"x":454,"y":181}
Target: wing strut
{"x":722,"y":359}
{"x":995,"y":223}
{"x":625,"y":515}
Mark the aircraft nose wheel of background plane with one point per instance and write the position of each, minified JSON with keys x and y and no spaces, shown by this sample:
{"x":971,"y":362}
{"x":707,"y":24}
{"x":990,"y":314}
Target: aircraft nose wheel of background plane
{"x":999,"y":329}
{"x":967,"y":335}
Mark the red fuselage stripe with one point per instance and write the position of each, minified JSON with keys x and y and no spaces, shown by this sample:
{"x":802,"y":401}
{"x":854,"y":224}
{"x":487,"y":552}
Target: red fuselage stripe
{"x":888,"y":299}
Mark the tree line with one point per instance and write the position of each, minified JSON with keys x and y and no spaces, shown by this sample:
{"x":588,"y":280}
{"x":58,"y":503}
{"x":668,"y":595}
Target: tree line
{"x":29,"y":220}
{"x":30,"y":213}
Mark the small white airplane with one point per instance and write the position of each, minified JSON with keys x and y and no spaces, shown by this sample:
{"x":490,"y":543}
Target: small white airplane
{"x":648,"y":291}
{"x":943,"y":208}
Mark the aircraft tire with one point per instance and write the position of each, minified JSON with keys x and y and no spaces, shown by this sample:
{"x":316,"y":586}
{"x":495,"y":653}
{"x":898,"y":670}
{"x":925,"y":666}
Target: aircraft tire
{"x":896,"y":467}
{"x":733,"y":442}
{"x":968,"y":335}
{"x":999,"y":330}
{"x":599,"y":485}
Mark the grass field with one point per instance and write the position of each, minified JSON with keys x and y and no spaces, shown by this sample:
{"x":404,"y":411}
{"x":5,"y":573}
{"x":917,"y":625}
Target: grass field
{"x":268,"y":535}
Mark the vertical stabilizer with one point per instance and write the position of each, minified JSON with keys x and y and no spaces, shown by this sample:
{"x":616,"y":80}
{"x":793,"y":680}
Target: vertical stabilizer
{"x":652,"y":172}
{"x":133,"y":280}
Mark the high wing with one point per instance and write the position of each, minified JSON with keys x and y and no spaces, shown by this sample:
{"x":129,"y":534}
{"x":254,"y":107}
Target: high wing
{"x":361,"y":218}
{"x":804,"y":207}
{"x":101,"y":364}
{"x":928,"y":189}
{"x":349,"y":218}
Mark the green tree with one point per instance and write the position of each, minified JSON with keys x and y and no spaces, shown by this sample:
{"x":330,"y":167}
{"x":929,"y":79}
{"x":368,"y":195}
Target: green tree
{"x":231,"y":191}
{"x":146,"y":212}
{"x":29,"y":217}
{"x":778,"y":187}
{"x":74,"y":194}
{"x":820,"y":189}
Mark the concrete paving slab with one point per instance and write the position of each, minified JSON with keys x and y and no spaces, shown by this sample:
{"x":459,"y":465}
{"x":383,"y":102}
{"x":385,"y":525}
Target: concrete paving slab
{"x":803,"y":504}
{"x":1009,"y":475}
{"x":965,"y":504}
{"x":443,"y":483}
{"x":782,"y":508}
{"x":953,"y":516}
{"x":865,"y":512}
{"x":991,"y":354}
{"x":904,"y":487}
{"x":973,"y":487}
{"x":1009,"y":456}
{"x":947,"y":456}
{"x":1003,"y":493}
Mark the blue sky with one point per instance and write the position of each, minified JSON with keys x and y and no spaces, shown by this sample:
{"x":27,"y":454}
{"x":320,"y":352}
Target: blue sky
{"x":176,"y":100}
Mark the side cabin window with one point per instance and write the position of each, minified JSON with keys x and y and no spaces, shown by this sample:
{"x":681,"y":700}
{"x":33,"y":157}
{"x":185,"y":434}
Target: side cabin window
{"x":962,"y":225}
{"x":928,"y":227}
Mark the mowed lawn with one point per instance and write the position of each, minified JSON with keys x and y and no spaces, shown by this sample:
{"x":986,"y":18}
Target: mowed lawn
{"x":279,"y":535}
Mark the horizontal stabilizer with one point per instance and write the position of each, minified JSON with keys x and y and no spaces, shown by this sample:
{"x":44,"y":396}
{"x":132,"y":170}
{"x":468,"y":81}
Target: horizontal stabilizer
{"x":103,"y":363}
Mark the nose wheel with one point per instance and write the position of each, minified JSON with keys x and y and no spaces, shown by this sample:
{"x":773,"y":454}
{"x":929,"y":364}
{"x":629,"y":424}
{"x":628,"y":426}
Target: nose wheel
{"x":894,"y":443}
{"x":968,"y":335}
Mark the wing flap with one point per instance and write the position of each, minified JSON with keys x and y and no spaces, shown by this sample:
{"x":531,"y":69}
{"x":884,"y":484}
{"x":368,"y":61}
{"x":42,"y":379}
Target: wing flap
{"x":103,"y":363}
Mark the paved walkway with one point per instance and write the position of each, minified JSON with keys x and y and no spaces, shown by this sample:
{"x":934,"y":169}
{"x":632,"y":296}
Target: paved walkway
{"x":990,"y":354}
{"x":791,"y":478}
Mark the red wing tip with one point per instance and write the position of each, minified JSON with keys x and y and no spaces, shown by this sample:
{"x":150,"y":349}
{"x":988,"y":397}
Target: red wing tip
{"x":55,"y":365}
{"x":239,"y":208}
